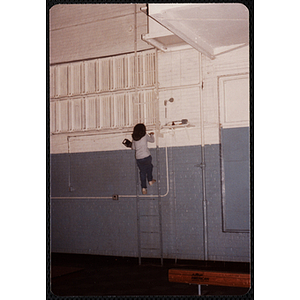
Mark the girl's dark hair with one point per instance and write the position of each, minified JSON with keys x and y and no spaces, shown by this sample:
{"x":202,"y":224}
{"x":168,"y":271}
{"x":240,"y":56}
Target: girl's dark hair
{"x":139,"y":131}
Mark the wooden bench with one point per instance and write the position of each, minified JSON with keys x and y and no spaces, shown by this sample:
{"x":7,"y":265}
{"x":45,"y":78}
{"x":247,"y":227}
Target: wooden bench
{"x":209,"y":278}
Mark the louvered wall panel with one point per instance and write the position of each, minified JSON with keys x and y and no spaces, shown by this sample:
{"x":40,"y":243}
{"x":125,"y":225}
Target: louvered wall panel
{"x":150,"y":107}
{"x":144,"y":107}
{"x":76,"y":114}
{"x":52,"y":82}
{"x":62,"y":116}
{"x":61,"y":81}
{"x":127,"y":71}
{"x":105,"y":70}
{"x":120,"y":76}
{"x":52,"y":117}
{"x":140,"y":108}
{"x":131,"y":79}
{"x":91,"y":119}
{"x":98,"y":112}
{"x":95,"y":78}
{"x":90,"y":77}
{"x":140,"y":70}
{"x":119,"y":104}
{"x":123,"y":115}
{"x":102,"y":75}
{"x":149,"y":68}
{"x":129,"y":110}
{"x":107,"y":112}
{"x":75,"y":78}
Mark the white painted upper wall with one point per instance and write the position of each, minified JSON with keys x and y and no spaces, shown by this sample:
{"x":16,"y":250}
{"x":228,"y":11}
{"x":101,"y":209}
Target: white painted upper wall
{"x":85,"y":31}
{"x":192,"y":79}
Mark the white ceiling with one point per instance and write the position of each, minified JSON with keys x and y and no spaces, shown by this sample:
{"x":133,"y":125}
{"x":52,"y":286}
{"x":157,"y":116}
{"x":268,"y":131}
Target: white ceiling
{"x":210,"y":28}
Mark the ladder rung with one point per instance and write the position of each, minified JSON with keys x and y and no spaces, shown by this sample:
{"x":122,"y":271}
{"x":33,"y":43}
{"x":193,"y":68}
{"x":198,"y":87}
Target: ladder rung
{"x":144,"y":232}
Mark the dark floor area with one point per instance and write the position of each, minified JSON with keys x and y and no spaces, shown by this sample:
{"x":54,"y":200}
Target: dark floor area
{"x":94,"y":275}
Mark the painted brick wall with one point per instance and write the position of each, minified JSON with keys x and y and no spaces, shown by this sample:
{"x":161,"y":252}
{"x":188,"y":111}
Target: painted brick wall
{"x":109,"y":227}
{"x":104,"y":226}
{"x":221,"y":245}
{"x":188,"y":209}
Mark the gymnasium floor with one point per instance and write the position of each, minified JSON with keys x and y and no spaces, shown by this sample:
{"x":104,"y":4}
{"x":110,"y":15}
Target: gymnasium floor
{"x":93,"y":275}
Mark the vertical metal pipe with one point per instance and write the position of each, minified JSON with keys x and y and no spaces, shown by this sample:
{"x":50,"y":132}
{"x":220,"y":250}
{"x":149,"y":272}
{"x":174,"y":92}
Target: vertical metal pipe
{"x":69,"y":164}
{"x":205,"y":234}
{"x":135,"y":65}
{"x":138,"y":216}
{"x":157,"y":121}
{"x":157,"y":129}
{"x":135,"y":120}
{"x":173,"y":197}
{"x":159,"y":205}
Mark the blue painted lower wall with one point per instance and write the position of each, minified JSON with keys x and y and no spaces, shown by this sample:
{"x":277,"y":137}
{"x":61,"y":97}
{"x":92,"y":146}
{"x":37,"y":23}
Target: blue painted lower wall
{"x":109,"y":227}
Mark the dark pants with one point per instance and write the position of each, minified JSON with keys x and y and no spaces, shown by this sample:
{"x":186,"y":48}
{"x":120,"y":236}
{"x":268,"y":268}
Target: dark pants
{"x":145,"y":166}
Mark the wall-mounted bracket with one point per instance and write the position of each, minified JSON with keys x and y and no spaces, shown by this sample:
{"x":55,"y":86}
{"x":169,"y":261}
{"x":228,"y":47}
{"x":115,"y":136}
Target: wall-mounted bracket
{"x":202,"y":165}
{"x":115,"y":197}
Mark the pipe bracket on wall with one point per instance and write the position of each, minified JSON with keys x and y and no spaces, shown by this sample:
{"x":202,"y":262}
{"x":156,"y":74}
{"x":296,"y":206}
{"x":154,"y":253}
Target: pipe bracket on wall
{"x":115,"y":197}
{"x":202,"y":165}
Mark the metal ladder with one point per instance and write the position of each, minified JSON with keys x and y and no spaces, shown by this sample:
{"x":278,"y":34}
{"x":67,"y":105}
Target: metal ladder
{"x":149,"y":221}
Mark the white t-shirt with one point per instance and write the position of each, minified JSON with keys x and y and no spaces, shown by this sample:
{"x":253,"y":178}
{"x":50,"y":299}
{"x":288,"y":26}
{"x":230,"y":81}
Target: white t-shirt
{"x":140,"y":146}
